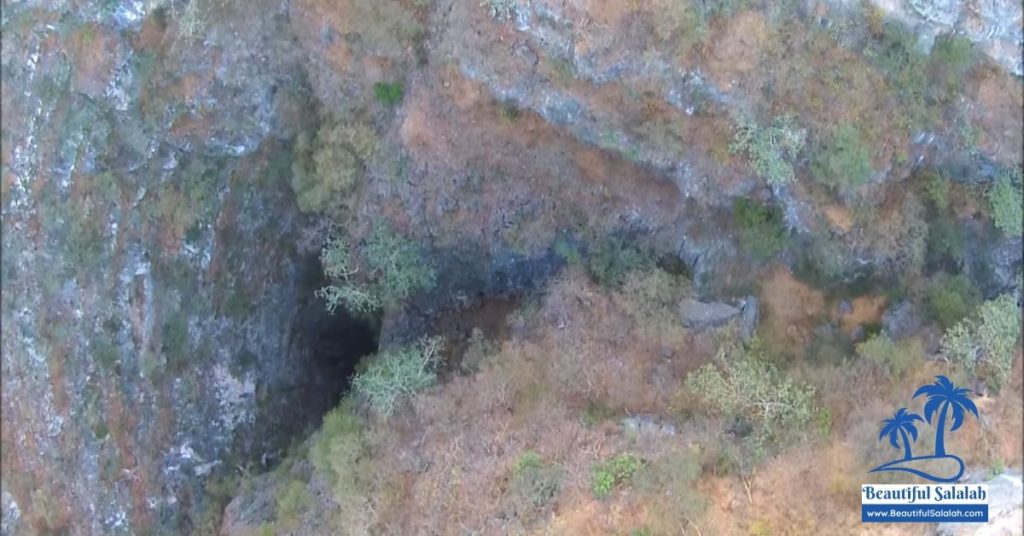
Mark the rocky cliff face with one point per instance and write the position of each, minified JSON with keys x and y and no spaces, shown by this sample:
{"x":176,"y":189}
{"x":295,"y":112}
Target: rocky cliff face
{"x":158,"y":323}
{"x":152,"y":267}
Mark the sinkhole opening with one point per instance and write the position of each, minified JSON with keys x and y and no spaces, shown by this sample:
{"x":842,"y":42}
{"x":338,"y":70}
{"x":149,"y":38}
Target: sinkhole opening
{"x":326,"y":348}
{"x":330,"y":347}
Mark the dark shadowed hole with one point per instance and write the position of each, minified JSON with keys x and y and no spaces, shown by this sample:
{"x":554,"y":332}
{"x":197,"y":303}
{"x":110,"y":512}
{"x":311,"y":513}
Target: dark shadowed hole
{"x":325,"y":349}
{"x":334,"y":346}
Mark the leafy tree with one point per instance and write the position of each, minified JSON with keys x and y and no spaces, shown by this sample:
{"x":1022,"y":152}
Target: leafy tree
{"x":393,"y":269}
{"x":943,"y":396}
{"x":770,"y":148}
{"x":328,"y":170}
{"x":397,"y":265}
{"x":1007,"y":201}
{"x":742,"y":384}
{"x":898,"y":427}
{"x":395,"y":376}
{"x":984,"y":343}
{"x":344,"y":291}
{"x":843,"y":160}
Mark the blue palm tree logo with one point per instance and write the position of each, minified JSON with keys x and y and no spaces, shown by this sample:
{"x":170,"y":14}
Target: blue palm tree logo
{"x":897,"y":428}
{"x":945,"y":400}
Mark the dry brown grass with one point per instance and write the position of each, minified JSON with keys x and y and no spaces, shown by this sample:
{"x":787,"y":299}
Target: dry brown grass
{"x":444,"y":466}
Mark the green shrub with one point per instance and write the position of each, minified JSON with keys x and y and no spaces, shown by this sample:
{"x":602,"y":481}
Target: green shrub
{"x":1007,"y":201}
{"x":341,"y":452}
{"x":533,"y":487}
{"x":393,"y":270}
{"x":762,"y":230}
{"x":397,"y":375}
{"x":898,"y":357}
{"x":771,"y":148}
{"x":843,"y":160}
{"x":946,"y":239}
{"x":952,"y":298}
{"x":905,"y":70}
{"x":614,"y":472}
{"x":293,"y":500}
{"x":742,"y":384}
{"x":328,"y":170}
{"x":936,"y":190}
{"x":388,"y":94}
{"x":613,"y":258}
{"x":950,"y":60}
{"x":984,"y":343}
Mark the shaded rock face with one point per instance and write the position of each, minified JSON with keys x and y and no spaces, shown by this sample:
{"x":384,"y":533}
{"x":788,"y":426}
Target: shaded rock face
{"x":154,"y":323}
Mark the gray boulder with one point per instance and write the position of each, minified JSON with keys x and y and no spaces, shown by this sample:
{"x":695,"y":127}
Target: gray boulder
{"x":696,"y":314}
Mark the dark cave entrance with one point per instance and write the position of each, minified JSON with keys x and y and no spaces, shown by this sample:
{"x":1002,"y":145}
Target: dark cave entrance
{"x":332,"y":345}
{"x":325,"y":348}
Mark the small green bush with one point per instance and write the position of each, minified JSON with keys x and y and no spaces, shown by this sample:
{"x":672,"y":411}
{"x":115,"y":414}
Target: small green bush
{"x":533,"y":487}
{"x":770,"y":148}
{"x":984,"y":343}
{"x":618,"y":470}
{"x":843,"y":160}
{"x":950,"y":60}
{"x":952,"y":298}
{"x":613,"y":258}
{"x":898,"y":357}
{"x":762,"y":230}
{"x":388,"y":94}
{"x":936,"y":190}
{"x":397,"y":375}
{"x":1007,"y":201}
